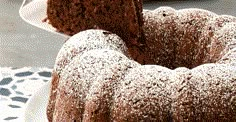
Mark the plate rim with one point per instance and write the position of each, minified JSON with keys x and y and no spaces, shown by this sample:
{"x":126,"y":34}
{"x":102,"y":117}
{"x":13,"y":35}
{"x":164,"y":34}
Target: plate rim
{"x":43,"y":90}
{"x":37,"y":4}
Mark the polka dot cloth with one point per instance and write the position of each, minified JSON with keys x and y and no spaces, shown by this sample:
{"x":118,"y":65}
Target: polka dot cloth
{"x":17,"y":85}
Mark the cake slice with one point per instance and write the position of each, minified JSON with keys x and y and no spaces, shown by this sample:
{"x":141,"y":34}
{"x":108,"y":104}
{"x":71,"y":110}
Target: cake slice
{"x":122,"y":17}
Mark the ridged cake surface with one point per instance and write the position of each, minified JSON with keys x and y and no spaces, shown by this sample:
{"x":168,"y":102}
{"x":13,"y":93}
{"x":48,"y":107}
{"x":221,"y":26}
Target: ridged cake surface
{"x":193,"y":77}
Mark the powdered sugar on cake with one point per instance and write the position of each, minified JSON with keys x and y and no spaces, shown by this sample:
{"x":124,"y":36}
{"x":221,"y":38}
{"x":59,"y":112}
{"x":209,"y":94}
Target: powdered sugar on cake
{"x":195,"y":81}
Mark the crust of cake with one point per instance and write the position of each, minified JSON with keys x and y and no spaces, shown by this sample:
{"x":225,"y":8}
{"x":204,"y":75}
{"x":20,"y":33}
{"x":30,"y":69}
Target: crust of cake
{"x":99,"y":80}
{"x":187,"y":37}
{"x":52,"y":97}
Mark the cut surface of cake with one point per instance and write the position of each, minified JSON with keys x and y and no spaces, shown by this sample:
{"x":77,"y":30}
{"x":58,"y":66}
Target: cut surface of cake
{"x":123,"y":17}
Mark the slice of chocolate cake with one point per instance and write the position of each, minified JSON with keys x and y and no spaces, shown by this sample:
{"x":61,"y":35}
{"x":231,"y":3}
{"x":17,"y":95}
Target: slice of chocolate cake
{"x":122,"y":17}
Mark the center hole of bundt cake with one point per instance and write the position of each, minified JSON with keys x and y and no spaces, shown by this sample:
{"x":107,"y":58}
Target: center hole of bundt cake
{"x":190,"y":52}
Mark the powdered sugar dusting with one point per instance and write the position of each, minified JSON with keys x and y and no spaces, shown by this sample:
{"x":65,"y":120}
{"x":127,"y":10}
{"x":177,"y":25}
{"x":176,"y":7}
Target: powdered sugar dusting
{"x":87,"y":40}
{"x":229,"y":57}
{"x":91,"y":79}
{"x":207,"y":91}
{"x":144,"y":95}
{"x":225,"y":41}
{"x":187,"y":37}
{"x":100,"y":82}
{"x":159,"y":26}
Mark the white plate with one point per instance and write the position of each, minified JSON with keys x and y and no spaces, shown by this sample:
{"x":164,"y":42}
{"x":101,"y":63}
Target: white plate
{"x":36,"y":106}
{"x":34,"y":11}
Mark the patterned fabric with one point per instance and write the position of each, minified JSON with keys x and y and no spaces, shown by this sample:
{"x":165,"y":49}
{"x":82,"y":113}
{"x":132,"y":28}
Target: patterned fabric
{"x":17,"y":85}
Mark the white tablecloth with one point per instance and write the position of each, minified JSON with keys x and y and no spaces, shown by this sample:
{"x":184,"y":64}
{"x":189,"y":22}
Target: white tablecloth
{"x":17,"y":85}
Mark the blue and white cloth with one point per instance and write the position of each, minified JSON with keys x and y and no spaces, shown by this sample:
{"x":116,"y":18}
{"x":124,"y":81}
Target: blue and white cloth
{"x":17,"y":85}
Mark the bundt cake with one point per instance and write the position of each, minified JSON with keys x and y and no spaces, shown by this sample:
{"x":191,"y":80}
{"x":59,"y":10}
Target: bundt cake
{"x":192,"y":76}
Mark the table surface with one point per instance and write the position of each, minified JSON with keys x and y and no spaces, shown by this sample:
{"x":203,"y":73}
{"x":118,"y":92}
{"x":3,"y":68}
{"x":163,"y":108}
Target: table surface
{"x":17,"y":85}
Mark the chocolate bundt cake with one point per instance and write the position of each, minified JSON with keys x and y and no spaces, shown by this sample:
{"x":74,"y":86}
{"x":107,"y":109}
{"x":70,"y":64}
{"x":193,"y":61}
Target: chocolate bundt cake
{"x":192,"y":78}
